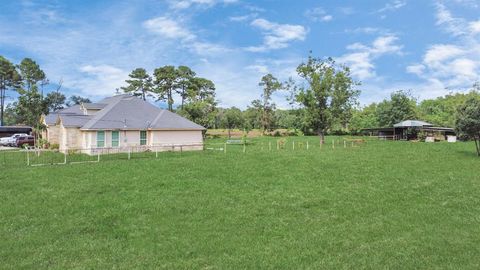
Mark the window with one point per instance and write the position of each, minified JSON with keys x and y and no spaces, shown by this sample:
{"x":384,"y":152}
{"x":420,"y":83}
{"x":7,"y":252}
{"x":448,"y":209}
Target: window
{"x":143,"y":137}
{"x":100,"y":138}
{"x":115,"y":138}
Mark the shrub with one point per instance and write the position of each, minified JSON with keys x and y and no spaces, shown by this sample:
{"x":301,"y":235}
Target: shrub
{"x":54,"y":146}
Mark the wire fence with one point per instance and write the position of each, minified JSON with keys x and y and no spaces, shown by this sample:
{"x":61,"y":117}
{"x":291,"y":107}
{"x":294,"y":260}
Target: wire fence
{"x":43,"y":157}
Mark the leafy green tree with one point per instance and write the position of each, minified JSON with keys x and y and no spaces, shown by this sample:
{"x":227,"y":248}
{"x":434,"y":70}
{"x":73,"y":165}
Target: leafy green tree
{"x":200,"y":89}
{"x":55,"y":101}
{"x":200,"y":112}
{"x":140,"y":84}
{"x":185,"y":80}
{"x":328,"y":95}
{"x":30,"y":107}
{"x":165,"y":84}
{"x":468,"y":121}
{"x":364,"y":118}
{"x":77,"y":100}
{"x":400,"y":107}
{"x":232,"y":118}
{"x":9,"y":79}
{"x":31,"y":74}
{"x":270,"y":84}
{"x":441,"y":111}
{"x":11,"y":117}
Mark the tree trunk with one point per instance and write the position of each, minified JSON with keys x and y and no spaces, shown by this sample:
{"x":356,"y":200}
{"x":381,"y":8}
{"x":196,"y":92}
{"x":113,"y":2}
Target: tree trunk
{"x":170,"y":101}
{"x":2,"y":103}
{"x":229,"y":135}
{"x":321,"y":134}
{"x":183,"y":95}
{"x":477,"y":145}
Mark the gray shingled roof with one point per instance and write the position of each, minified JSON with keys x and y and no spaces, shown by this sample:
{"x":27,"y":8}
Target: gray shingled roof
{"x":94,"y":106}
{"x":123,"y":112}
{"x":51,"y":118}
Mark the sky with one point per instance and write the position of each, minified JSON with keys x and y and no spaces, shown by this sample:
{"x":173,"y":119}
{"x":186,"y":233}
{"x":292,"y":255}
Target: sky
{"x":430,"y":47}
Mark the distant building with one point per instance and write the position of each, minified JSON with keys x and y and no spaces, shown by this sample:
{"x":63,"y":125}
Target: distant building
{"x":120,"y":122}
{"x":403,"y":130}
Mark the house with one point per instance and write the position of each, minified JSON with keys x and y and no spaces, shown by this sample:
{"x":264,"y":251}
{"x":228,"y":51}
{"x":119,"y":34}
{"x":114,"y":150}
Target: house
{"x":121,"y":122}
{"x":403,"y":130}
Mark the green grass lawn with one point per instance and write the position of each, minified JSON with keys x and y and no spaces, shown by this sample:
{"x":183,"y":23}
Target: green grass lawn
{"x":376,"y":205}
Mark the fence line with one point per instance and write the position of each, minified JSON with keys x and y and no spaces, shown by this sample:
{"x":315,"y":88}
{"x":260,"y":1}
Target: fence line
{"x":43,"y":157}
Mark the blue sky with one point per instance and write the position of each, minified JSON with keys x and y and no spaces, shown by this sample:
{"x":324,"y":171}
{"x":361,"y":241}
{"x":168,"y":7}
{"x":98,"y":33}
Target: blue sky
{"x":431,"y":47}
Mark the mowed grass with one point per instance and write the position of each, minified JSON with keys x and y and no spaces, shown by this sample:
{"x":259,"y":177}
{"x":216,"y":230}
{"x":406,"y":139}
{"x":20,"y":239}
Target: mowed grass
{"x":378,"y":205}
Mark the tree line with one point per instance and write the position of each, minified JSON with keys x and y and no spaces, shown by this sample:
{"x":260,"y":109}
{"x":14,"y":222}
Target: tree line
{"x":324,"y":100}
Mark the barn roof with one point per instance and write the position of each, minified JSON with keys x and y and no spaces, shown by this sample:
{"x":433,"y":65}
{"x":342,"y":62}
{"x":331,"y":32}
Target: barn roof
{"x":413,"y":123}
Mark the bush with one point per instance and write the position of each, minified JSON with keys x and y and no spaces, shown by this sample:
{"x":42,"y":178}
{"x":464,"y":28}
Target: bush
{"x":54,"y":146}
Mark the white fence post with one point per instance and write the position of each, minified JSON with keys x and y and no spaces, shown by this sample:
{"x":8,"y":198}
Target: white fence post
{"x":28,"y":157}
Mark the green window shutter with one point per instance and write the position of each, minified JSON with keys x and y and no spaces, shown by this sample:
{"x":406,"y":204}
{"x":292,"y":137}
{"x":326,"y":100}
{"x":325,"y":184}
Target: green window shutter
{"x":100,"y":138}
{"x":115,"y":138}
{"x":143,"y":137}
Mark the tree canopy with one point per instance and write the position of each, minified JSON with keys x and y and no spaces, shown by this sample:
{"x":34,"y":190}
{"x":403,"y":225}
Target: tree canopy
{"x":468,"y":120}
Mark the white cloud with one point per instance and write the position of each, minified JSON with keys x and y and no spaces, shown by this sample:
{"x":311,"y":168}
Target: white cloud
{"x":318,"y":14}
{"x":277,"y":36}
{"x":168,"y":28}
{"x":416,"y":69}
{"x":474,"y":27}
{"x":100,"y":80}
{"x":262,"y":69}
{"x":393,"y":5}
{"x":456,"y":65}
{"x":452,"y":25}
{"x":184,"y":4}
{"x":361,"y":59}
{"x":243,"y":18}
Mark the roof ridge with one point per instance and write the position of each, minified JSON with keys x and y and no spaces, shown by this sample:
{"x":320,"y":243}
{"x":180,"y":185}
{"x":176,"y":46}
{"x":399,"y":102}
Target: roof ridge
{"x":100,"y":114}
{"x":158,"y":117}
